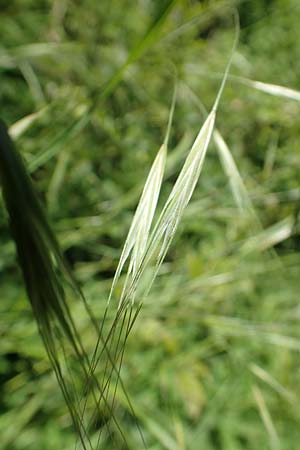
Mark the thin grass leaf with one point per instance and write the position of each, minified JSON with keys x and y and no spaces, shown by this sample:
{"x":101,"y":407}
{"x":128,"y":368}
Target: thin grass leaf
{"x":268,"y":88}
{"x":238,"y":188}
{"x":149,"y":39}
{"x":10,"y":58}
{"x":236,"y":327}
{"x":266,"y":418}
{"x":237,"y":185}
{"x":33,"y":82}
{"x":274,"y":384}
{"x":14,"y":425}
{"x":57,"y":178}
{"x":163,"y":436}
{"x":269,"y":237}
{"x":69,"y":133}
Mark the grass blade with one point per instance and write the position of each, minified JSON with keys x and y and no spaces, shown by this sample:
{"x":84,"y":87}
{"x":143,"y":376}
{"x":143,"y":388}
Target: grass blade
{"x":266,"y":418}
{"x":269,"y":88}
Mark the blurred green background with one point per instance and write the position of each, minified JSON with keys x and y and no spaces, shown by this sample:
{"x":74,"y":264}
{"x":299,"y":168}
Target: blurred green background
{"x":213,"y":360}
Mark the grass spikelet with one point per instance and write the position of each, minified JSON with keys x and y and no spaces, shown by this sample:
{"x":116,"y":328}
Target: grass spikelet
{"x":145,"y":249}
{"x":161,"y":237}
{"x":159,"y":240}
{"x":138,"y":234}
{"x":180,"y":195}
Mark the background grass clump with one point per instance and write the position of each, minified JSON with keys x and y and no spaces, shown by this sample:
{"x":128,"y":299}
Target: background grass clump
{"x":213,"y":360}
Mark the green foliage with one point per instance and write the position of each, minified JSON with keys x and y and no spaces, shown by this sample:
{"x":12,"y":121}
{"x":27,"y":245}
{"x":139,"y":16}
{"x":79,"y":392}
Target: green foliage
{"x":212,"y":359}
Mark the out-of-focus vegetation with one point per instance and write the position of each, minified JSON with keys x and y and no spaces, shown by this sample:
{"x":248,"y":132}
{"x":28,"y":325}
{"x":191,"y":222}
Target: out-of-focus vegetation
{"x":213,"y":360}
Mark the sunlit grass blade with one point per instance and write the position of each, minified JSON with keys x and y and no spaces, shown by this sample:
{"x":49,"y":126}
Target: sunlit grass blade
{"x":269,"y":88}
{"x":237,"y":185}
